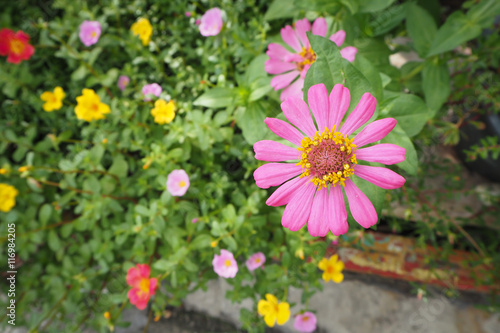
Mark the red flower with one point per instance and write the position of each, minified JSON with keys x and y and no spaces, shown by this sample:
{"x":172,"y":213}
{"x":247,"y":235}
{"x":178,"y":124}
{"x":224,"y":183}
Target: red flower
{"x":15,"y":45}
{"x":142,"y":286}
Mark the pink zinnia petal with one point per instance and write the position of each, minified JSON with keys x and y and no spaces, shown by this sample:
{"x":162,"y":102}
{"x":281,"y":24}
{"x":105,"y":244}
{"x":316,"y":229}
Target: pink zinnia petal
{"x":338,"y":37}
{"x":320,"y":217}
{"x":319,"y":104}
{"x":360,"y":115}
{"x":297,"y":112}
{"x":272,"y":151}
{"x":336,"y":205}
{"x":274,"y":174}
{"x":297,"y":211}
{"x":349,"y":53}
{"x":284,"y":130}
{"x":273,"y":66}
{"x":301,"y":27}
{"x":385,"y":153}
{"x":382,"y":177}
{"x":277,"y":51}
{"x":361,"y":207}
{"x":283,"y":80}
{"x":295,"y":89}
{"x":374,"y":131}
{"x":339,"y":99}
{"x":285,"y":192}
{"x":290,"y":37}
{"x":320,"y":27}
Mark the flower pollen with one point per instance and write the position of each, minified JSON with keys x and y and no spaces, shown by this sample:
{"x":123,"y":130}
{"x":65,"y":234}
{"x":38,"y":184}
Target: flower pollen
{"x":308,"y":57}
{"x":327,"y":157}
{"x":227,"y":263}
{"x":16,"y":46}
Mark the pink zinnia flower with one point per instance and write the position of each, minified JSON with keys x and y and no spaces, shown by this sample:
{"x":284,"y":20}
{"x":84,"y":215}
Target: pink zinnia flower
{"x":123,"y":82}
{"x":290,"y":65}
{"x":255,"y":261}
{"x":211,"y":22}
{"x":151,"y":89}
{"x":225,"y":265}
{"x":90,"y":31}
{"x":327,"y":160}
{"x":142,"y":286}
{"x":177,"y":183}
{"x":305,"y":322}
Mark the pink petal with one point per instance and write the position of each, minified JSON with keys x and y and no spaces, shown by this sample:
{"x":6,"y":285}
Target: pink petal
{"x":272,"y":151}
{"x":133,"y":276}
{"x":297,"y":112}
{"x":374,"y":131}
{"x":144,"y":270}
{"x":319,"y":27}
{"x":301,"y":27}
{"x":293,"y":57}
{"x":289,"y":37}
{"x":297,"y":211}
{"x":317,"y":97}
{"x":338,"y":37}
{"x":273,"y":174}
{"x":338,"y":224}
{"x":277,"y":66}
{"x":349,"y":53}
{"x":285,"y":192}
{"x":385,"y":153}
{"x":284,"y":130}
{"x":360,"y":115}
{"x":362,"y":209}
{"x":283,"y":80}
{"x":380,"y":176}
{"x":142,"y":303}
{"x":295,"y":89}
{"x":153,"y":283}
{"x":277,"y":51}
{"x":320,"y":217}
{"x":339,"y":99}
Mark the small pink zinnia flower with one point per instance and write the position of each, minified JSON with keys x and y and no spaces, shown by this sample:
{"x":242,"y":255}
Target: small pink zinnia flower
{"x":151,"y":89}
{"x":188,"y":14}
{"x":177,"y":183}
{"x":305,"y":322}
{"x":194,"y":220}
{"x":327,"y":160}
{"x":197,"y":22}
{"x":255,"y":261}
{"x":211,"y":22}
{"x":90,"y":31}
{"x":291,"y":65}
{"x":225,"y":265}
{"x":143,"y":287}
{"x":123,"y":82}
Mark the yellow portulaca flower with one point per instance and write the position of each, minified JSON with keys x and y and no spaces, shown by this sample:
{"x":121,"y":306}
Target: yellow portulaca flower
{"x":163,"y":112}
{"x":332,"y":269}
{"x":23,"y":168}
{"x":53,"y":100}
{"x":8,"y":195}
{"x":144,"y":29}
{"x":273,"y":311}
{"x":90,"y":107}
{"x":3,"y":171}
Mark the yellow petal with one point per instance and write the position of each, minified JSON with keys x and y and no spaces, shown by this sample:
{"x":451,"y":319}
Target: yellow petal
{"x":59,"y":92}
{"x":263,"y":307}
{"x":334,"y":258}
{"x":283,"y":313}
{"x":46,"y":96}
{"x":326,"y":277}
{"x":272,"y":299}
{"x":323,"y":264}
{"x":338,"y":277}
{"x":339,"y":266}
{"x":270,"y":319}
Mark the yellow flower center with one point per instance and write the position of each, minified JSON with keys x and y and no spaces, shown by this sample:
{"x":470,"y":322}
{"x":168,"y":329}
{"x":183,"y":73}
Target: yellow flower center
{"x":182,"y":183}
{"x":327,"y":157}
{"x":227,"y":263}
{"x":94,"y":34}
{"x":305,"y":318}
{"x":257,"y":260}
{"x":144,"y":286}
{"x":16,"y":46}
{"x":308,"y":56}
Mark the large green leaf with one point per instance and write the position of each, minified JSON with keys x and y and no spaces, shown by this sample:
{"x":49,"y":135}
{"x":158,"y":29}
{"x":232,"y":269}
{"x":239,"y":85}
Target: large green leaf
{"x":217,"y":98}
{"x":409,"y":110}
{"x":457,"y":29}
{"x":399,"y":137}
{"x":371,"y":74}
{"x":436,"y":84}
{"x":484,"y":12}
{"x":280,"y":9}
{"x":371,"y":6}
{"x":251,"y":122}
{"x":421,"y":27}
{"x":387,"y":20}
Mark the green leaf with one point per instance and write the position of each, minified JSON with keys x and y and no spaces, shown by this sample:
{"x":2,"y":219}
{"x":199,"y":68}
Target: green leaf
{"x":436,"y":84}
{"x":80,"y":73}
{"x":399,"y":137}
{"x":409,"y":110}
{"x":142,"y":210}
{"x":164,"y":265}
{"x":370,"y":6}
{"x":387,"y":20}
{"x":280,"y":9}
{"x":251,"y":122}
{"x":217,"y":98}
{"x":421,"y":27}
{"x":457,"y":30}
{"x":259,"y":88}
{"x":200,"y":241}
{"x":371,"y":74}
{"x":119,"y":167}
{"x":110,"y":78}
{"x":44,"y":214}
{"x":53,"y":241}
{"x":484,"y":12}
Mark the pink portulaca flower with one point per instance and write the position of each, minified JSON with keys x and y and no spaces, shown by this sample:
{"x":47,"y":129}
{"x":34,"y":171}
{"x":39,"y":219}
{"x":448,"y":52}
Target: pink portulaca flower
{"x":123,"y":82}
{"x":211,"y":22}
{"x":255,"y":261}
{"x":327,"y":161}
{"x":294,"y":65}
{"x":225,"y":265}
{"x":90,"y":31}
{"x":143,"y":287}
{"x":177,"y":183}
{"x":305,"y":322}
{"x":150,"y":90}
